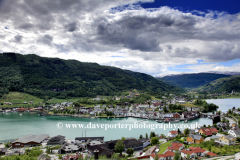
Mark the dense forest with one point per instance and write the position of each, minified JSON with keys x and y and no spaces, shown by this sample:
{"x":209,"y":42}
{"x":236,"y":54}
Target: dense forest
{"x":227,"y":85}
{"x":54,"y":77}
{"x":192,"y":80}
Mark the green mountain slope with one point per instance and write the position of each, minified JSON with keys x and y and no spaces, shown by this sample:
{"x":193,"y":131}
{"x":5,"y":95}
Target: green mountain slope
{"x":227,"y":84}
{"x":192,"y":80}
{"x":53,"y":77}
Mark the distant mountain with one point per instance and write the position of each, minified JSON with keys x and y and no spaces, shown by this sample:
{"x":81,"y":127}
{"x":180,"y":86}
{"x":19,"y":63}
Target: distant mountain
{"x":227,"y":84}
{"x":54,"y":77}
{"x":225,"y":72}
{"x":193,"y":80}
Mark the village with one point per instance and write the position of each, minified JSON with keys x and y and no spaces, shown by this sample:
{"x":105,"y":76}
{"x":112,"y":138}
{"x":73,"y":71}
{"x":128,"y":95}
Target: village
{"x":221,"y":139}
{"x":170,"y":108}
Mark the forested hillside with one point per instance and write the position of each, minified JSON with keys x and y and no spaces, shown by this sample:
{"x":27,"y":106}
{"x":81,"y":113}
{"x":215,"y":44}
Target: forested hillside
{"x":54,"y":77}
{"x":192,"y":80}
{"x":227,"y":84}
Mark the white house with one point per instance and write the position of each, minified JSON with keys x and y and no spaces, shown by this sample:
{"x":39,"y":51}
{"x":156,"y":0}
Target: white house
{"x":235,"y":132}
{"x":226,"y":140}
{"x":168,"y":115}
{"x":172,"y":134}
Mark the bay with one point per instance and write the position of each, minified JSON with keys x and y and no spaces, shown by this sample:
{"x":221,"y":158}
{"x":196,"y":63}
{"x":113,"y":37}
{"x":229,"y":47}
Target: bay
{"x":225,"y":104}
{"x":13,"y":126}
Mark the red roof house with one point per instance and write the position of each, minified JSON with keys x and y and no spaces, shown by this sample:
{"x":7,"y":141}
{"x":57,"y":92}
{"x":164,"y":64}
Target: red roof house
{"x":166,"y":155}
{"x":196,"y":151}
{"x":175,"y":146}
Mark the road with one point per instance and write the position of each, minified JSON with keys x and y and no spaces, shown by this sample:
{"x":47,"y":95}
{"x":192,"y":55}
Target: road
{"x":231,"y":121}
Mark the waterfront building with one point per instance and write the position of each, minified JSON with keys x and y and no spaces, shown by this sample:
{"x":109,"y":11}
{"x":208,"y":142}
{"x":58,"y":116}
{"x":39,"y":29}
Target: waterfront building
{"x":57,"y":140}
{"x":85,"y":139}
{"x":29,"y":141}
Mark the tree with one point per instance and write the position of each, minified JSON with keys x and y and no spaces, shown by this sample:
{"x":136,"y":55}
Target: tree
{"x":209,"y":147}
{"x":152,"y":134}
{"x":130,"y":151}
{"x":140,"y":137}
{"x":146,"y":136}
{"x":80,"y":157}
{"x":229,"y":111}
{"x":154,"y":140}
{"x":119,"y":147}
{"x":186,"y":131}
{"x":179,"y":131}
{"x":213,"y":112}
{"x":188,"y":156}
{"x":176,"y":155}
{"x":123,"y":138}
{"x":162,"y":135}
{"x":156,"y":157}
{"x":165,"y":109}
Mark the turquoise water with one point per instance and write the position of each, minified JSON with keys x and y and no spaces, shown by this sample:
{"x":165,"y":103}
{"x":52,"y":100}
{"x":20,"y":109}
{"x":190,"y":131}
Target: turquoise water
{"x":13,"y":126}
{"x":225,"y":104}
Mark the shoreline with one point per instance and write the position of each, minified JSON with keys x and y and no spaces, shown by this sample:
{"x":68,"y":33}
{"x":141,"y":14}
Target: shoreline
{"x":112,"y":117}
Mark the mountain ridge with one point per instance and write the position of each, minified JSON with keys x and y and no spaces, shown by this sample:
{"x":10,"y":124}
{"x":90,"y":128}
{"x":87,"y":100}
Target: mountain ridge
{"x":55,"y":77}
{"x":192,"y":80}
{"x":226,"y":84}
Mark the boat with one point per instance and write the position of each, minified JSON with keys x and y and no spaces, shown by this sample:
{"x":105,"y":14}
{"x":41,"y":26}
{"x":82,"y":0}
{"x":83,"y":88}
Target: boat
{"x":167,"y":120}
{"x":185,"y":121}
{"x":174,"y":121}
{"x":159,"y":121}
{"x":20,"y":114}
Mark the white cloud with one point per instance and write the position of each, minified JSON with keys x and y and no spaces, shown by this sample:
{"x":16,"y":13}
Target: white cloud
{"x":103,"y":31}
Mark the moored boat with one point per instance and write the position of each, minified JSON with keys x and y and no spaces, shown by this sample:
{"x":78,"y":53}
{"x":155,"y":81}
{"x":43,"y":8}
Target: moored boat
{"x":159,"y":121}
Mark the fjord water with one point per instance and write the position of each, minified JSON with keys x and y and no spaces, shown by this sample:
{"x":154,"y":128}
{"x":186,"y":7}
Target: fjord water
{"x":225,"y":104}
{"x":13,"y":126}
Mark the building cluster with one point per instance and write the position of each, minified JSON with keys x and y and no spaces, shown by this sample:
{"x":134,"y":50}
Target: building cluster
{"x":86,"y":145}
{"x":89,"y":145}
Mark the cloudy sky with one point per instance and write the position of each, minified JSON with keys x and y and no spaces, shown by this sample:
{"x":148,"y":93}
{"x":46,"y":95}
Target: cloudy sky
{"x":155,"y":37}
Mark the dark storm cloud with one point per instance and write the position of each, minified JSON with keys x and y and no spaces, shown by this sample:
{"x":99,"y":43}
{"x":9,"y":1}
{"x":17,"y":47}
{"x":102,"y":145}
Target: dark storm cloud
{"x":35,"y":14}
{"x":139,"y":32}
{"x":18,"y":38}
{"x":86,"y":26}
{"x":46,"y":39}
{"x":71,"y":27}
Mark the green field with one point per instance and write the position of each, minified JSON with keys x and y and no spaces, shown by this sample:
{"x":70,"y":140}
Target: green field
{"x":163,"y":147}
{"x":17,"y":97}
{"x":55,"y":100}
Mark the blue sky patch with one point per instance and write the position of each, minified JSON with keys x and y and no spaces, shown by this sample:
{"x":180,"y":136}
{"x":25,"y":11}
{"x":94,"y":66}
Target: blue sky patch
{"x":231,"y":6}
